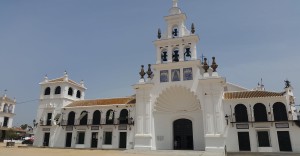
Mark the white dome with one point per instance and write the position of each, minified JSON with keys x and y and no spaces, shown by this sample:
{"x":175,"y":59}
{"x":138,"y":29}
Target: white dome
{"x":174,"y":11}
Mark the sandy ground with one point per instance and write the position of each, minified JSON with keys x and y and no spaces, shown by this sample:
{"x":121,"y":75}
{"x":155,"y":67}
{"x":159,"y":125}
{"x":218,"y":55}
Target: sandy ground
{"x":23,"y":150}
{"x":32,"y":151}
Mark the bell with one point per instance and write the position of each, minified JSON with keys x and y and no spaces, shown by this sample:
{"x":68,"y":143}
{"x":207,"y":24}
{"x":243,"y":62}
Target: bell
{"x":164,"y":56}
{"x":188,"y":54}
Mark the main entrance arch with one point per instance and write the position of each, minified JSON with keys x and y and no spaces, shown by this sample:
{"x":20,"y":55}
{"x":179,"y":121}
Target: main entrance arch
{"x":183,"y":134}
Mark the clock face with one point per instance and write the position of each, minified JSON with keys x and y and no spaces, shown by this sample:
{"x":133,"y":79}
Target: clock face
{"x":164,"y":76}
{"x":175,"y":75}
{"x":187,"y":74}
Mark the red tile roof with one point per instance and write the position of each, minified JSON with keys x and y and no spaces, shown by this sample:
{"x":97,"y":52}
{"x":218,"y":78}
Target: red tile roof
{"x":97,"y":102}
{"x":251,"y":94}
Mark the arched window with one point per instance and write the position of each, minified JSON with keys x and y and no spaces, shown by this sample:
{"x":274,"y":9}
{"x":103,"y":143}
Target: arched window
{"x":78,"y":94}
{"x":110,"y":115}
{"x":260,"y":112}
{"x":164,"y":56}
{"x":10,"y":108}
{"x":47,"y":91}
{"x":83,"y":118}
{"x":123,"y":119}
{"x":175,"y":32}
{"x":71,"y":118}
{"x":175,"y":55}
{"x":57,"y":90}
{"x":96,"y":117}
{"x":70,"y":91}
{"x":279,"y":111}
{"x":240,"y":112}
{"x":5,"y":108}
{"x":187,"y":54}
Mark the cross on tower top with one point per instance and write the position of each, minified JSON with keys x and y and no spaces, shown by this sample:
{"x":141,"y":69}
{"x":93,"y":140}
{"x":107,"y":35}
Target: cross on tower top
{"x":5,"y":91}
{"x":202,"y":58}
{"x":175,"y":3}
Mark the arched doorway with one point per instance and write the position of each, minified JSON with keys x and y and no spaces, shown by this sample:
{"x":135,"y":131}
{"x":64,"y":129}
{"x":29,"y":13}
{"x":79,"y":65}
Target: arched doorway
{"x":183,"y":134}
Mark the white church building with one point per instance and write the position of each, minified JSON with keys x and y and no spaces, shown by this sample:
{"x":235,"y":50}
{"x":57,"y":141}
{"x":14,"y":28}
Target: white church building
{"x":7,"y":113}
{"x":180,"y":103}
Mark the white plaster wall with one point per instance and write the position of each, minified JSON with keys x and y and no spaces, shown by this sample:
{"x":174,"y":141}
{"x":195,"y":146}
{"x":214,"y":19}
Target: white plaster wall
{"x":58,"y":133}
{"x":64,"y":91}
{"x":232,"y":137}
{"x":1,"y":120}
{"x":163,"y":126}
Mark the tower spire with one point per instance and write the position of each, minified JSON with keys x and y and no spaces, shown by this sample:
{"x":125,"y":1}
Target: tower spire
{"x":175,"y":3}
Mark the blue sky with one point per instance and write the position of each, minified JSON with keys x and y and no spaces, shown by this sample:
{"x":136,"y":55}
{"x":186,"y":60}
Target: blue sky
{"x":104,"y":42}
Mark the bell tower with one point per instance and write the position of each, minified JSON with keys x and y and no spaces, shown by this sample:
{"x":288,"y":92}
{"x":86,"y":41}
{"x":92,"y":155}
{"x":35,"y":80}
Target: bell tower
{"x":177,"y":71}
{"x":177,"y":44}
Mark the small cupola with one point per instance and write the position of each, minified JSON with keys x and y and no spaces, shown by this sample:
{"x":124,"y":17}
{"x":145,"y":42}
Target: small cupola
{"x":175,"y":10}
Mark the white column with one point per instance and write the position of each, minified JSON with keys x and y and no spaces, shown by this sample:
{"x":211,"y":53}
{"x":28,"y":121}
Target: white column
{"x":158,"y":55}
{"x":181,"y":52}
{"x":143,"y":135}
{"x":170,"y":52}
{"x":194,"y":51}
{"x":169,"y":31}
{"x":181,"y":30}
{"x":212,"y":90}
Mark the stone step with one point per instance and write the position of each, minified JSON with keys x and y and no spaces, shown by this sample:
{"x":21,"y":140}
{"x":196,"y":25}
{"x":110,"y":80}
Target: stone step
{"x":174,"y":152}
{"x":262,"y":154}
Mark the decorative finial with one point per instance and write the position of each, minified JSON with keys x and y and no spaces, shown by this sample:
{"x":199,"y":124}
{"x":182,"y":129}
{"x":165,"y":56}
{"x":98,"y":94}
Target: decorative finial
{"x":149,"y":72}
{"x":193,"y":28}
{"x":66,"y":76}
{"x":46,"y":78}
{"x":261,"y":82}
{"x":142,"y":72}
{"x":158,"y":34}
{"x":205,"y":65}
{"x":82,"y":83}
{"x":175,"y":3}
{"x":287,"y":83}
{"x":214,"y":65}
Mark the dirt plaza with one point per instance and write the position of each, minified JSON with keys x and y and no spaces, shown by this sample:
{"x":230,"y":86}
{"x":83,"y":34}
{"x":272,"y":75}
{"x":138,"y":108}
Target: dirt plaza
{"x":23,"y":150}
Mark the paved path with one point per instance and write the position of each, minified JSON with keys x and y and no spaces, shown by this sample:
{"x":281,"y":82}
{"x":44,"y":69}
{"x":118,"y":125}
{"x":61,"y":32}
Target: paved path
{"x":173,"y":153}
{"x":263,"y":154}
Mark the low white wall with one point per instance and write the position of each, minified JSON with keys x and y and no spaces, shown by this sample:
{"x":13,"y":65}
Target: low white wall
{"x":233,"y":144}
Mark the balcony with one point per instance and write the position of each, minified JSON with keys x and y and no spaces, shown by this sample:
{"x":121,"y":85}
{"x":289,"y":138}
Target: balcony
{"x":45,"y":123}
{"x":266,"y":124}
{"x":90,"y":122}
{"x":7,"y":114}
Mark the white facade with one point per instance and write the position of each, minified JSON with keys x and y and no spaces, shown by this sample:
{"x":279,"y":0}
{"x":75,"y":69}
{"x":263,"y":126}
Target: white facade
{"x":183,"y":104}
{"x":54,"y":127}
{"x":7,"y":109}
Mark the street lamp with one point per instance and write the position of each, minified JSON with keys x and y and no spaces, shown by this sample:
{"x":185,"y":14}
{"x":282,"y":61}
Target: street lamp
{"x":226,"y":118}
{"x":34,"y":123}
